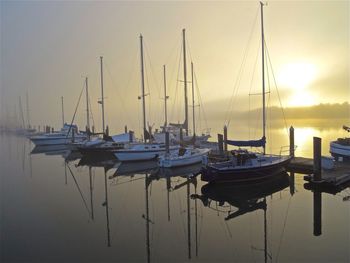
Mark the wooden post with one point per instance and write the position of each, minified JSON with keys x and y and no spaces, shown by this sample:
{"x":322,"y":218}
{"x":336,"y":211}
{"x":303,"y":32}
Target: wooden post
{"x":317,"y":159}
{"x":88,"y":133}
{"x":107,"y":130}
{"x":292,"y":183}
{"x":167,"y":141}
{"x":150,"y":133}
{"x":73,"y":134}
{"x":126,"y":129}
{"x":225,"y":138}
{"x":317,"y":213}
{"x":221,"y":145}
{"x":291,"y":141}
{"x":181,"y":135}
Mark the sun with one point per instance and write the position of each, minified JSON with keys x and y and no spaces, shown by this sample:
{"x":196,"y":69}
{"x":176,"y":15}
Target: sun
{"x":301,"y":98}
{"x":297,"y":75}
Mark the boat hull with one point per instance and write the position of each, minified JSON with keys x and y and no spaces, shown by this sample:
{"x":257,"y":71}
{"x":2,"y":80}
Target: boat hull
{"x":339,"y":150}
{"x":130,"y":155}
{"x":167,"y":163}
{"x":211,"y":174}
{"x":40,"y":141}
{"x":183,"y":160}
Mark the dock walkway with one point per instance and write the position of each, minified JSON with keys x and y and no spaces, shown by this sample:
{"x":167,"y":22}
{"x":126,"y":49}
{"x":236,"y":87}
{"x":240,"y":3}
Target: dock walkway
{"x":337,"y":176}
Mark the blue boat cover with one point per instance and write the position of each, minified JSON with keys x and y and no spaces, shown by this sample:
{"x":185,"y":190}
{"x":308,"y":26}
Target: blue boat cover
{"x":251,"y":143}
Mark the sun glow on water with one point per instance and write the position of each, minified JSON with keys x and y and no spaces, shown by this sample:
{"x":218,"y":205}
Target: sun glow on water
{"x":303,"y":140}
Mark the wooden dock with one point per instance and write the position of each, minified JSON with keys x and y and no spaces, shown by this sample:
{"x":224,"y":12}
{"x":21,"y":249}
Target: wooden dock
{"x":338,"y":177}
{"x":301,"y":165}
{"x":340,"y":174}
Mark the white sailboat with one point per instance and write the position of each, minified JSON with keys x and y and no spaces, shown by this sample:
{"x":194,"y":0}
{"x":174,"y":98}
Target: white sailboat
{"x":189,"y":155}
{"x":146,"y":150}
{"x":69,"y":133}
{"x":341,"y":147}
{"x":175,"y":129}
{"x":185,"y":157}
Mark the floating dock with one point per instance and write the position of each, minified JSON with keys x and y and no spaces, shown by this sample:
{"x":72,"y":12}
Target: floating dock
{"x":301,"y":165}
{"x":337,"y":178}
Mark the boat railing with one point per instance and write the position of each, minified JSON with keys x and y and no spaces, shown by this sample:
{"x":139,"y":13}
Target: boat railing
{"x":285,"y":150}
{"x":206,"y":132}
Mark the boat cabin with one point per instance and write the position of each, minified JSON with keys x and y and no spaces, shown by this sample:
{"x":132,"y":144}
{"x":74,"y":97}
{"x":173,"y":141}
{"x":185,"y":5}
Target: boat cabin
{"x":242,"y":157}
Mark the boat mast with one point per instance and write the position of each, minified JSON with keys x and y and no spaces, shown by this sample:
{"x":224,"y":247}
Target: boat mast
{"x":91,"y":195}
{"x":27,"y":102}
{"x":21,"y":109}
{"x":165,"y":99}
{"x":143,"y":90}
{"x":188,"y":217}
{"x":193,"y":116}
{"x":263,"y":72}
{"x":185,"y":79}
{"x":87,"y":104}
{"x":148,"y":244}
{"x":62,"y":106}
{"x":102,"y":98}
{"x":107,"y":211}
{"x":265,"y":232}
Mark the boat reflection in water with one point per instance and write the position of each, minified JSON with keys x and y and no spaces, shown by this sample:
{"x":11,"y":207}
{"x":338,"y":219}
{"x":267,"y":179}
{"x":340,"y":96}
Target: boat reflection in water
{"x":64,"y":150}
{"x":246,"y":197}
{"x":149,"y":171}
{"x":99,"y":161}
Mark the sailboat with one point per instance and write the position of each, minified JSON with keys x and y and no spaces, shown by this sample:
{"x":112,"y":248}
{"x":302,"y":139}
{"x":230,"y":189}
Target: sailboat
{"x":175,"y":129}
{"x":66,"y":135}
{"x":189,"y":155}
{"x":244,"y":165}
{"x":69,"y":133}
{"x":143,"y":151}
{"x":97,"y":145}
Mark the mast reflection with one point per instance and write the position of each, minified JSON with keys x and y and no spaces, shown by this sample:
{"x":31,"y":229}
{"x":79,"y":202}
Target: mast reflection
{"x":246,"y":197}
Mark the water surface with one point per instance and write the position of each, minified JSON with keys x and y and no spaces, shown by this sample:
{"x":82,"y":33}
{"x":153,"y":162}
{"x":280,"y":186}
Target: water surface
{"x":53,"y":209}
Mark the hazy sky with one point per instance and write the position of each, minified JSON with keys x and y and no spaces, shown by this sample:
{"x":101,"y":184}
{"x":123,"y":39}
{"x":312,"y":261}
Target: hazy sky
{"x":46,"y":48}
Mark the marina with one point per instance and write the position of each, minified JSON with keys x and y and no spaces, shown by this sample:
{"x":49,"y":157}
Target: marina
{"x":175,"y":132}
{"x":97,"y":202}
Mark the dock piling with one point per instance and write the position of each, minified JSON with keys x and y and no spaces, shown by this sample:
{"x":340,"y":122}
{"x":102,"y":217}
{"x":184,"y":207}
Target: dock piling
{"x":225,"y":138}
{"x":317,"y":159}
{"x":317,"y":213}
{"x":221,"y":143}
{"x":167,"y":142}
{"x":291,"y":141}
{"x":131,"y":136}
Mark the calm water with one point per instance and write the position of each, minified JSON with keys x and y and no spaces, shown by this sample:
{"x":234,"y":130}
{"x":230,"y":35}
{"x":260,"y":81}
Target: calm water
{"x":56,"y":209}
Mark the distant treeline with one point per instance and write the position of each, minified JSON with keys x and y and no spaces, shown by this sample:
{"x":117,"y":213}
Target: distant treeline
{"x":321,"y":111}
